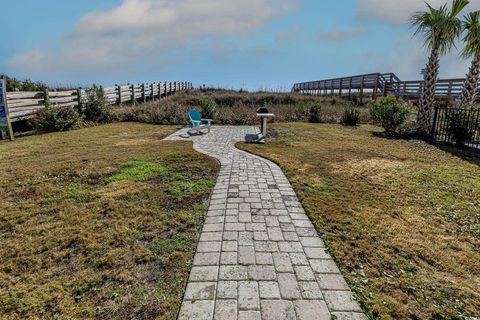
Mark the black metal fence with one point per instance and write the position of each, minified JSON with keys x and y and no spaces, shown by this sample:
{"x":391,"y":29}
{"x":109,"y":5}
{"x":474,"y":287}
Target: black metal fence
{"x":459,"y":127}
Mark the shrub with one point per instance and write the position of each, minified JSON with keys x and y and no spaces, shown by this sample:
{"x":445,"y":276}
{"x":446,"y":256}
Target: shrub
{"x":459,"y":127}
{"x":53,"y":118}
{"x":389,"y":112}
{"x":315,"y":110}
{"x":96,"y":107}
{"x":350,"y":117}
{"x":14,"y":84}
{"x":209,"y":108}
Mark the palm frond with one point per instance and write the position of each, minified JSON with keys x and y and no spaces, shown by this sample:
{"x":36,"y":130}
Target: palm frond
{"x":471,"y":25}
{"x":440,"y":27}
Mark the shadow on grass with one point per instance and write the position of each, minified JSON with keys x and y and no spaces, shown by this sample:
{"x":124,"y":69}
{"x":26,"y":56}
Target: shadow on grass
{"x":394,"y":136}
{"x":468,"y":154}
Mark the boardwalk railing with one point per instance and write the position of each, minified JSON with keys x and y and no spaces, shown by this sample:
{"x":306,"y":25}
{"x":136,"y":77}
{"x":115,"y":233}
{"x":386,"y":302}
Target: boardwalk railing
{"x":23,"y":104}
{"x":460,"y":127}
{"x":379,"y":84}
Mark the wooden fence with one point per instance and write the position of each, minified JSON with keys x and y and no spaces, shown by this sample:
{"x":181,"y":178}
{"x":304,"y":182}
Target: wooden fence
{"x":23,"y":104}
{"x":379,"y":84}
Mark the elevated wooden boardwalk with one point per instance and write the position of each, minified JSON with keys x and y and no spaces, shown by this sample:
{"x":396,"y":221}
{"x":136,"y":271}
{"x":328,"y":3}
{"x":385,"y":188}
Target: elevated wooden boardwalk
{"x":378,"y":84}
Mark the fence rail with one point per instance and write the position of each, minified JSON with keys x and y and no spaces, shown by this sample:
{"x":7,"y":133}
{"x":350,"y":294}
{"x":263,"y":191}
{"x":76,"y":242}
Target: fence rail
{"x":460,"y":127}
{"x":379,"y":84}
{"x":23,"y":104}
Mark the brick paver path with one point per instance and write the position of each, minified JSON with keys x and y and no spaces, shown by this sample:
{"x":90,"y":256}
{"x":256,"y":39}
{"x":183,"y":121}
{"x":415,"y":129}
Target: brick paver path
{"x":259,"y":256}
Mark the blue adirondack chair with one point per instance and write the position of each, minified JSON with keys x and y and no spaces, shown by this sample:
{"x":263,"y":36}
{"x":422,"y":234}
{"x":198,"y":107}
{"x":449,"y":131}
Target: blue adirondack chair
{"x":197,"y":123}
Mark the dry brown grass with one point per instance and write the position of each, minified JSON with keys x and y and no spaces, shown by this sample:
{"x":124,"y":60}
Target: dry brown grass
{"x":400,"y":217}
{"x":92,"y":225}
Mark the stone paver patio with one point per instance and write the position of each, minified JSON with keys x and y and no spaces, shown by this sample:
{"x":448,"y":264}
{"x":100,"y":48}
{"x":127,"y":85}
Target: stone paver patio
{"x":259,"y":256}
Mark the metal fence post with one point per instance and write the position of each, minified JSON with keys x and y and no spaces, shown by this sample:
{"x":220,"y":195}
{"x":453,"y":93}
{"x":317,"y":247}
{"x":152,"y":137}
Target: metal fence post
{"x":435,"y":115}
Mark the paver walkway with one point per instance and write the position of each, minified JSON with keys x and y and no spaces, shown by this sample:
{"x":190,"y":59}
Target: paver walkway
{"x":259,"y":256}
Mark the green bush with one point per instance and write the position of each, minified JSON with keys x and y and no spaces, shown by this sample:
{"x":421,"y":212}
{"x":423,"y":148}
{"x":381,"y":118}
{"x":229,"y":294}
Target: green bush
{"x":53,"y":118}
{"x":351,"y":117}
{"x":14,"y":84}
{"x":389,"y":112}
{"x":459,"y":126}
{"x":209,"y":109}
{"x":315,"y":110}
{"x":96,"y":107}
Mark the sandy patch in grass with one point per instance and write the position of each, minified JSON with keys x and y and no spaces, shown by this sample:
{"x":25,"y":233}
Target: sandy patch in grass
{"x":376,"y":169}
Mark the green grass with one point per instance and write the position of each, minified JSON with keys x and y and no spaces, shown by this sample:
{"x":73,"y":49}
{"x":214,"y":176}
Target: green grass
{"x":176,"y":243}
{"x":182,"y":188}
{"x":138,"y":170}
{"x":401,"y":218}
{"x":89,"y":227}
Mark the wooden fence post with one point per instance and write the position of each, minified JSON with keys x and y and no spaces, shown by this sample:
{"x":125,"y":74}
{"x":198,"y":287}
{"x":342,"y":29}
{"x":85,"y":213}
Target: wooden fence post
{"x":46,"y":96}
{"x":152,"y":91}
{"x":385,"y":89}
{"x":4,"y":101}
{"x":361,"y":89}
{"x":132,"y":88}
{"x":341,"y":85}
{"x":350,"y":88}
{"x":79,"y":97}
{"x":103,"y":93}
{"x":119,"y":89}
{"x":449,"y":94}
{"x":144,"y":96}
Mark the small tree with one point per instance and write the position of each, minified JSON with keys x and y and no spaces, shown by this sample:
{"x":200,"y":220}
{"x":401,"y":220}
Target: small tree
{"x":96,"y":107}
{"x":440,"y":28}
{"x":389,"y":112}
{"x":350,"y":117}
{"x":315,"y":110}
{"x":209,"y":108}
{"x":56,"y":118}
{"x":471,"y":50}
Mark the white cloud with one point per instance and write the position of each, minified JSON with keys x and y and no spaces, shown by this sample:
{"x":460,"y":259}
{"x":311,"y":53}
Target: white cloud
{"x":148,"y":30}
{"x":184,"y":17}
{"x":336,"y":35}
{"x":397,"y":12}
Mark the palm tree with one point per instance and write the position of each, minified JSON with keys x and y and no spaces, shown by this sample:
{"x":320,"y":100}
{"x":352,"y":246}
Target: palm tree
{"x":472,"y":50}
{"x":440,"y":28}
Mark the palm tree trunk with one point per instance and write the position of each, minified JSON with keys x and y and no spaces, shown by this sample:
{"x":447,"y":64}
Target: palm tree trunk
{"x":427,"y":96}
{"x":470,"y":87}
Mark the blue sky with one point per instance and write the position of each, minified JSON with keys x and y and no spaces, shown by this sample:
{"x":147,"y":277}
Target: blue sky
{"x":228,"y":43}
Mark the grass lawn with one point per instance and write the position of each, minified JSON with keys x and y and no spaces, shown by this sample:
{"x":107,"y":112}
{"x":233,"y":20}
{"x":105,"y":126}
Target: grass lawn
{"x":99,"y":223}
{"x":401,"y":218}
